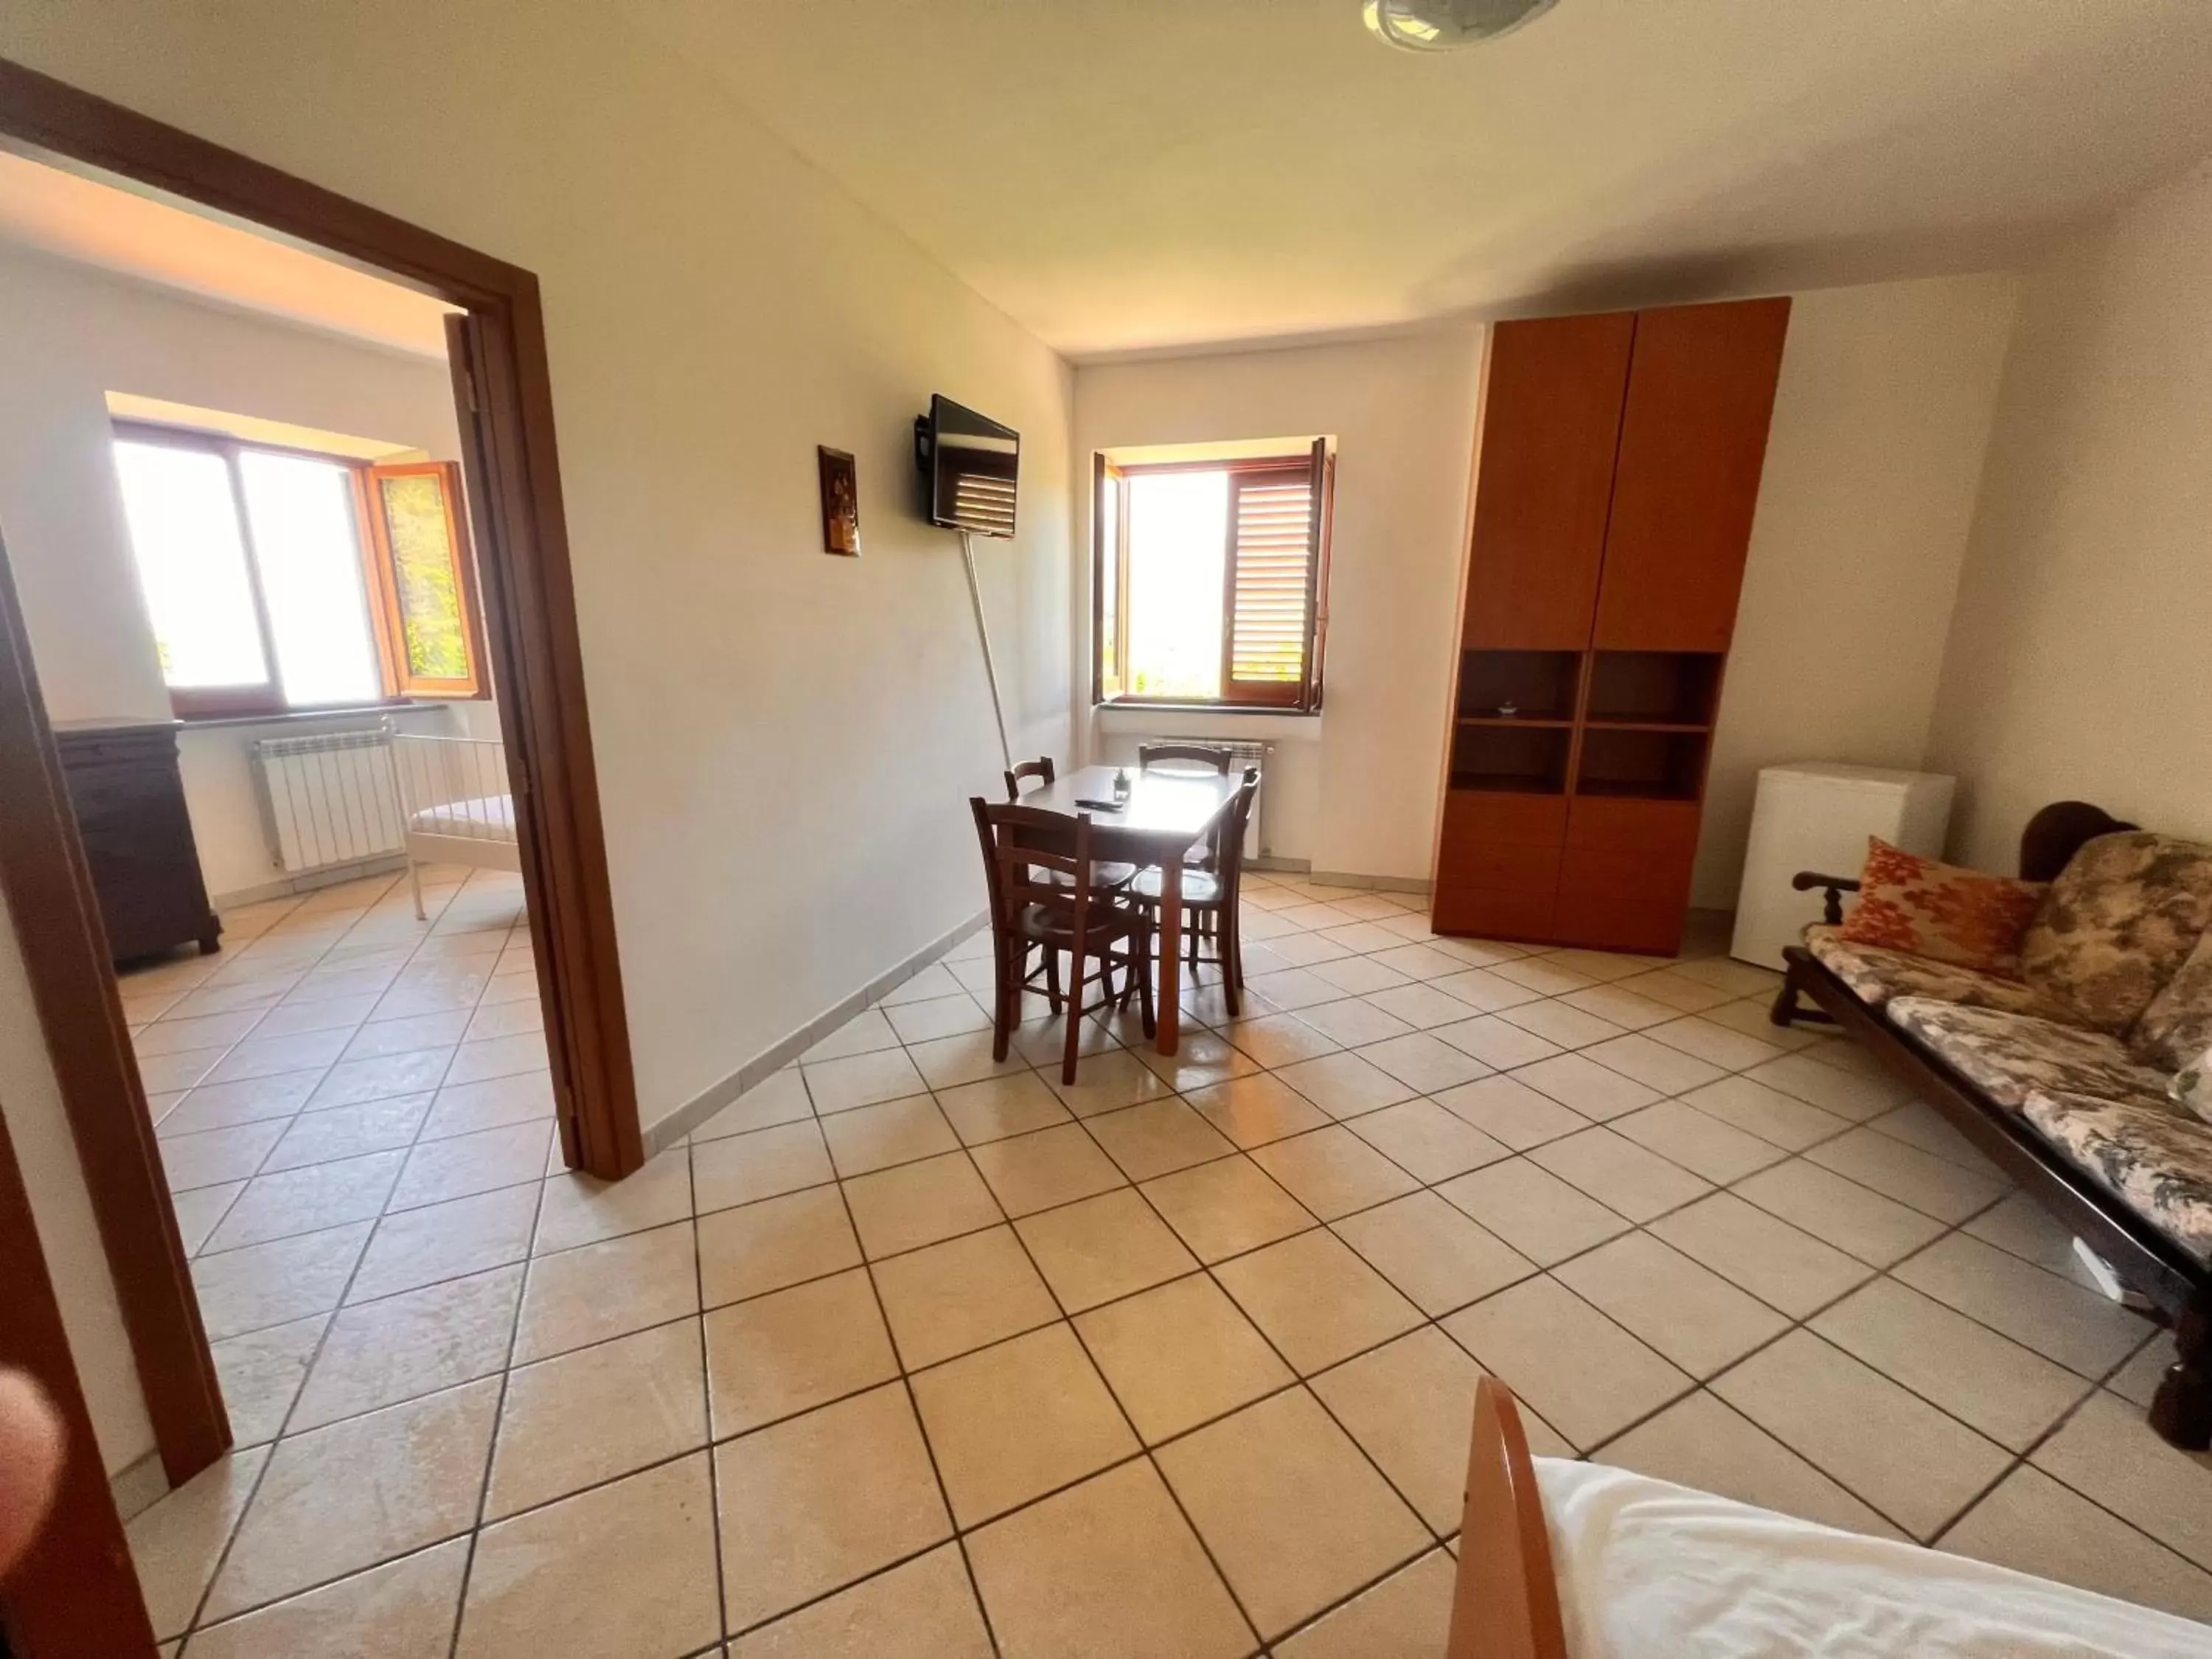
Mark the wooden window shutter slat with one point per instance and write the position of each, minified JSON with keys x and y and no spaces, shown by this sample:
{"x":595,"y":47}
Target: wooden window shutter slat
{"x":1267,"y":650}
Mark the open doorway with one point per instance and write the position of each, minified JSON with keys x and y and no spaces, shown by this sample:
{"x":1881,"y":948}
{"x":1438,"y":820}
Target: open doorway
{"x":301,"y":807}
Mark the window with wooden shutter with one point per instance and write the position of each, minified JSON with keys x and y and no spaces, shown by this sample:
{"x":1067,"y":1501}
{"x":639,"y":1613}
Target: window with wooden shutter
{"x":424,"y":577}
{"x":1210,"y":581}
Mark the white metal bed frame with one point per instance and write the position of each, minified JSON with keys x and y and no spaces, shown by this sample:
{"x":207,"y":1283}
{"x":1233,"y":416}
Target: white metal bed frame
{"x":455,"y":804}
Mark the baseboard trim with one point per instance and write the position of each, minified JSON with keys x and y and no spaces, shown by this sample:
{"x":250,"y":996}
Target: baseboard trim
{"x":667,"y":1131}
{"x":138,"y":1486}
{"x":289,"y":886}
{"x":1377,"y":884}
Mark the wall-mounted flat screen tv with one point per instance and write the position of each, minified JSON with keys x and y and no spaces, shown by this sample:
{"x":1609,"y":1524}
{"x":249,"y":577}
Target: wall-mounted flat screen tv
{"x":968,"y":464}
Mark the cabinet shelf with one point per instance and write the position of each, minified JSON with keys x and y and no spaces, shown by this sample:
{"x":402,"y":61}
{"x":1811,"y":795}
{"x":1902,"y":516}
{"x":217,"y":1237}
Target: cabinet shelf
{"x":1540,"y":685}
{"x":1669,"y":688}
{"x":1690,"y":727}
{"x":1504,"y":722}
{"x":1651,"y":765}
{"x":1511,"y":755}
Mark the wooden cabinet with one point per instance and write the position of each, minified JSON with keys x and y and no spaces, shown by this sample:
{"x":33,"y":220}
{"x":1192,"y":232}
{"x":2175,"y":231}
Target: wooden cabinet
{"x":1617,"y":466}
{"x":129,"y":798}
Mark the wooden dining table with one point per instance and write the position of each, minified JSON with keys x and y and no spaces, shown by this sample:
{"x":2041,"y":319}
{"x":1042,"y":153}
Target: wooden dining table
{"x":1166,"y":814}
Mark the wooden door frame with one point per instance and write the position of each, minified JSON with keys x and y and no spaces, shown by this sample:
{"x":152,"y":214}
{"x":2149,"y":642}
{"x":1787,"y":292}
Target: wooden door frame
{"x":506,"y":415}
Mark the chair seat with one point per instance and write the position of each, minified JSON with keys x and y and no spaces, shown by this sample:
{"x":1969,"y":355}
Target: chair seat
{"x":1114,"y":875}
{"x":1049,"y":925}
{"x":1201,"y":889}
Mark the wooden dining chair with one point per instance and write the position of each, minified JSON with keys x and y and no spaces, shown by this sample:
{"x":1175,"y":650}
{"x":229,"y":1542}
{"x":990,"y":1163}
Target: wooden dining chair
{"x":1209,"y":897}
{"x":1200,"y":753}
{"x":1040,"y":768}
{"x":1049,"y":892}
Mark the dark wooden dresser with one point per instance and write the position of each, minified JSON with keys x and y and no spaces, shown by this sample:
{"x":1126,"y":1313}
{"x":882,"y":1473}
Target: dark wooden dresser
{"x":129,"y":798}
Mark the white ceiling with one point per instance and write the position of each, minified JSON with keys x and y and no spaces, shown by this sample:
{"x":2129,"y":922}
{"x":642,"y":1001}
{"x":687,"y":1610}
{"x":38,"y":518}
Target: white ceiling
{"x":1127,"y":174}
{"x":82,"y":218}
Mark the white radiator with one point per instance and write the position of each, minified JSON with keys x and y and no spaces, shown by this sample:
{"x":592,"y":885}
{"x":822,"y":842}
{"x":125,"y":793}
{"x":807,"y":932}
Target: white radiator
{"x":1242,"y":756}
{"x":327,"y":800}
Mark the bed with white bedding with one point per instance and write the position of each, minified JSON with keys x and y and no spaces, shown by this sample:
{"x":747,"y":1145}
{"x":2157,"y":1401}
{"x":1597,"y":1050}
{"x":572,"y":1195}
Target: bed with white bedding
{"x":454,"y":804}
{"x":1568,"y":1560}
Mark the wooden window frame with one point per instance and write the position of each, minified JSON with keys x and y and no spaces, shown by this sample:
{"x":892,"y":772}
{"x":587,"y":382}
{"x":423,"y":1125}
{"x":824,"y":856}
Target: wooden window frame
{"x":1299,"y":696}
{"x":397,"y":685}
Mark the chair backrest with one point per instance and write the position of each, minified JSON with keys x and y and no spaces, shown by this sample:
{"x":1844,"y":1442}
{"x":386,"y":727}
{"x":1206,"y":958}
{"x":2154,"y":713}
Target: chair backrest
{"x":1023,"y":849}
{"x":1203,"y":753}
{"x":1229,"y":836}
{"x":1040,"y":769}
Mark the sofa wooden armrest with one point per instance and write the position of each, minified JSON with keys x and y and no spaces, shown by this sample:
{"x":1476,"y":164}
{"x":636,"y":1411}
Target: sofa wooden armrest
{"x":1832,"y":911}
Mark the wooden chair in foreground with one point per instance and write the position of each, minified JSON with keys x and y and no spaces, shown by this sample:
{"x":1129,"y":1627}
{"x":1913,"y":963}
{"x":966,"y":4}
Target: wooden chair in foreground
{"x":1505,"y":1596}
{"x":1209,"y":897}
{"x":1047,"y":892}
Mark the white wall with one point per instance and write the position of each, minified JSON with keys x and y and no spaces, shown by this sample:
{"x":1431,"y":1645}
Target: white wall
{"x":1354,"y":791}
{"x":1881,"y":418}
{"x":785,"y":741}
{"x":31,"y":1106}
{"x":2077,"y":662}
{"x":69,"y":335}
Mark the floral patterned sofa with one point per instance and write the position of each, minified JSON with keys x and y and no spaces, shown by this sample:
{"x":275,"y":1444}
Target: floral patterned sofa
{"x":2062,"y":1074}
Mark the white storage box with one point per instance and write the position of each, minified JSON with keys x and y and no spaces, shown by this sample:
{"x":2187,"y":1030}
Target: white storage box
{"x":1817,"y":816}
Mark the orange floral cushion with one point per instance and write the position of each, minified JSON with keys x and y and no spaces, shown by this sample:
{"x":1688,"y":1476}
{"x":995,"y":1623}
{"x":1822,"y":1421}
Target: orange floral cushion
{"x":1942,"y":912}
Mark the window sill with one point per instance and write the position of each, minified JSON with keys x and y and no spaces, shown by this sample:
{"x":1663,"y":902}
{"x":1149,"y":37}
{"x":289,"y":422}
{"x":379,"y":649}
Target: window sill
{"x":1138,"y":706}
{"x":1206,"y":720}
{"x":294,"y":716}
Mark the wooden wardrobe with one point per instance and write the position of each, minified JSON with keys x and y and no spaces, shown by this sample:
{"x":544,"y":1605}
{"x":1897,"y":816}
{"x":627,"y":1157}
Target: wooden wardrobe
{"x":1617,"y":463}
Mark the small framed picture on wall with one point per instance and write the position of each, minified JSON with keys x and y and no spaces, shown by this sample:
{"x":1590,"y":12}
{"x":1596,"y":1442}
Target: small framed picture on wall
{"x":840,"y":502}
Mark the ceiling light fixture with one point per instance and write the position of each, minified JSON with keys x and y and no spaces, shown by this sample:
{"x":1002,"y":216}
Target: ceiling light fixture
{"x":1440,"y":25}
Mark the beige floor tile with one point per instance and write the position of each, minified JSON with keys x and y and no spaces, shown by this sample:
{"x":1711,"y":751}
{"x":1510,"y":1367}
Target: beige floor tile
{"x":1102,"y":1248}
{"x":1857,"y":1096}
{"x":439,"y":1171}
{"x":1408,"y":1613}
{"x":1035,"y":1171}
{"x":1557,"y":1023}
{"x":1353,"y":1020}
{"x":891,"y":1132}
{"x":464,"y":1107}
{"x":622,"y":1572}
{"x":1776,"y":1263}
{"x":258,"y":1057}
{"x":999,"y":1107}
{"x":1409,"y":1404}
{"x":581,"y":1209}
{"x":918,"y":1204}
{"x":1428,"y":1142}
{"x":1679,"y":992}
{"x":791,"y":1351}
{"x":1110,"y":1567}
{"x":404,"y":1609}
{"x":1621,"y":1175}
{"x":2139,"y":1378}
{"x":1431,"y":1252}
{"x":1918,"y":1124}
{"x":1278,"y":1040}
{"x":1425,"y":1008}
{"x":200,"y":1211}
{"x":500,"y":1057}
{"x":446,"y":1241}
{"x":948,"y":1062}
{"x":1934,"y":1186}
{"x":1315,"y":1300}
{"x":176,"y":1544}
{"x":1577,"y":1370}
{"x":791,"y":1530}
{"x":1701,"y":1443}
{"x":862,"y":1080}
{"x":1723,"y":1046}
{"x":222,"y":1105}
{"x":1704,"y":1146}
{"x":218,"y":1155}
{"x":1344,"y":1085}
{"x":607,"y":1290}
{"x":925,"y":984}
{"x":2033,"y":1524}
{"x":938,"y":1017}
{"x":261,"y":1373}
{"x":1292,"y":1512}
{"x":1511,"y":1113}
{"x":764,"y":1163}
{"x":1227,"y":1206}
{"x":1254,"y":1109}
{"x":353,"y":1081}
{"x":1104,"y":1082}
{"x":959,"y":1295}
{"x":402,"y":1033}
{"x":923,"y":1609}
{"x":1988,"y":1383}
{"x":2023,"y":1226}
{"x":341,"y":1499}
{"x":1917,"y":1466}
{"x":273,"y":1284}
{"x":1157,"y":1138}
{"x":781,"y":1097}
{"x":1578,"y":1082}
{"x":373,"y":1126}
{"x":2106,"y":1452}
{"x":1497,"y":1043}
{"x":1655,"y":1064}
{"x":1532,"y":1210}
{"x":1180,"y":1355}
{"x":379,"y":1353}
{"x":1331,"y":1171}
{"x":308,"y":1200}
{"x":778,"y":1241}
{"x":595,"y":1413}
{"x":1875,"y":1229}
{"x":2059,"y":1320}
{"x":1201,"y":1059}
{"x":1691,"y":1315}
{"x":1015,"y":1420}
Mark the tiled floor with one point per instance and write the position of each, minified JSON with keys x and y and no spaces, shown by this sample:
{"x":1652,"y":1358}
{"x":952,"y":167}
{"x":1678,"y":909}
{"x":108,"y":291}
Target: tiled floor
{"x":910,"y":1352}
